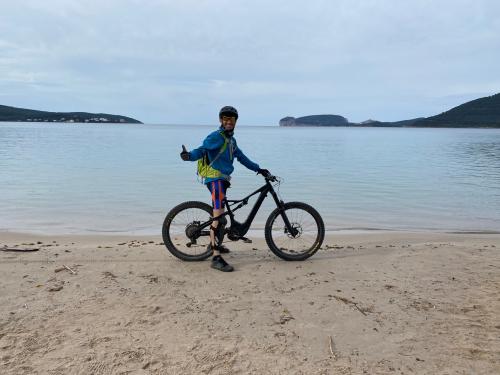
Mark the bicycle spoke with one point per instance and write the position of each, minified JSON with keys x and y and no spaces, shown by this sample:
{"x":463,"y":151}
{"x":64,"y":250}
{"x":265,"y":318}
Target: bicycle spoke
{"x":178,"y":235}
{"x":307,"y":236}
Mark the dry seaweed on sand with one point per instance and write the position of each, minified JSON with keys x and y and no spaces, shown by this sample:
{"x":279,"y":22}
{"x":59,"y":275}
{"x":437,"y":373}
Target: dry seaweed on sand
{"x":19,"y":250}
{"x":347,"y":301}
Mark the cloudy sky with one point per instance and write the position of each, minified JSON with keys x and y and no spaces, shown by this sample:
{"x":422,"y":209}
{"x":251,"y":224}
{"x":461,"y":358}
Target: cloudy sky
{"x":164,"y":61}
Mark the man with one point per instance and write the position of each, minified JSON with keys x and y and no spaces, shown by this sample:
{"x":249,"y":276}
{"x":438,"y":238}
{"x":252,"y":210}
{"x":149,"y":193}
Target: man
{"x":221,"y":149}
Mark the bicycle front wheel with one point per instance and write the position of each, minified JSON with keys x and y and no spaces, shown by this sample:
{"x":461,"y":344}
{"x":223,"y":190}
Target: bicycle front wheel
{"x":182,"y":232}
{"x":309,"y":227}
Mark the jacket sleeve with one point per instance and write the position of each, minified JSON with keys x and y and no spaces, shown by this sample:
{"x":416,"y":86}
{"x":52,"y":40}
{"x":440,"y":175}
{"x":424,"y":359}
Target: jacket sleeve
{"x":214,"y":141}
{"x":246,"y":161}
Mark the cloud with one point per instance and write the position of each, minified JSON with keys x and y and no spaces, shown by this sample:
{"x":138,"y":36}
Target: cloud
{"x":154,"y":59}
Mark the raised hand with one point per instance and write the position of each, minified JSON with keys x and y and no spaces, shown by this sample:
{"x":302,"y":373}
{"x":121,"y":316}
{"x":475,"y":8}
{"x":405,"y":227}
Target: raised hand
{"x":184,"y":153}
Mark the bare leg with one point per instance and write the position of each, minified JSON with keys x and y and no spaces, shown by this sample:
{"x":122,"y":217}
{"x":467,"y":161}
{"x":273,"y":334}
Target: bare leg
{"x":215,"y":224}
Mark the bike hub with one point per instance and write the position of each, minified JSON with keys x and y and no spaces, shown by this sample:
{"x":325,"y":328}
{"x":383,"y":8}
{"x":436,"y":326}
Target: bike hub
{"x":296,"y":230}
{"x":193,"y":229}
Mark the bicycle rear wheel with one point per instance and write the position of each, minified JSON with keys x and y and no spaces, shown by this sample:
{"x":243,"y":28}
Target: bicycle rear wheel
{"x":309,"y":224}
{"x":181,"y":233}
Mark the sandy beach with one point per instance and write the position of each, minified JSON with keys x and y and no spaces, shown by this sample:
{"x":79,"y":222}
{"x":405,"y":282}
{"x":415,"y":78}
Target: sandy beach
{"x":366,"y":303}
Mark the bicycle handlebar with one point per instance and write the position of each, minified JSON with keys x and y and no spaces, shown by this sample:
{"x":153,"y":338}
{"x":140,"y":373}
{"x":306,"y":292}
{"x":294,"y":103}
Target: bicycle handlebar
{"x":267,"y":176}
{"x":271,"y":178}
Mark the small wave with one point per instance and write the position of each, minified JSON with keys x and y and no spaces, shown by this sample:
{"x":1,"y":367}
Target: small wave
{"x":474,"y":232}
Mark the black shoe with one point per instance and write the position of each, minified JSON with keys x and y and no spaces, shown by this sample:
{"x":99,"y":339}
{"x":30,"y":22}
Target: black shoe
{"x":220,"y":264}
{"x":221,"y":248}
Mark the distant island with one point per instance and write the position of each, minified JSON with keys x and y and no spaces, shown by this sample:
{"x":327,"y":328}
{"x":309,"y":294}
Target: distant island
{"x":14,"y":114}
{"x":478,"y":113}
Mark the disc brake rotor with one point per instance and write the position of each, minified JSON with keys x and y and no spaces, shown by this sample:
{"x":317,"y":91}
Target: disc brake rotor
{"x":297,"y":227}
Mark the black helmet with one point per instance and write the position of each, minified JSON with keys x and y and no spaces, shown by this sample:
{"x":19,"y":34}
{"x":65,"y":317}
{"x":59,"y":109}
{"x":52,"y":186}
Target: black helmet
{"x":228,"y":111}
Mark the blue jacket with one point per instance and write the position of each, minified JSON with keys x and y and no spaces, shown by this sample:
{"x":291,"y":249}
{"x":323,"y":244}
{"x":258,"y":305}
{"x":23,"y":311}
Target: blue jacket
{"x":212,"y":145}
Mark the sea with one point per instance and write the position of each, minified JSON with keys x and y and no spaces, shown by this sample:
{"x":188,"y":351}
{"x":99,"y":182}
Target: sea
{"x":63,"y":178}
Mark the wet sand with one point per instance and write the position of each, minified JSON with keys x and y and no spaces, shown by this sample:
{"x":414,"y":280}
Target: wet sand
{"x":374,"y":303}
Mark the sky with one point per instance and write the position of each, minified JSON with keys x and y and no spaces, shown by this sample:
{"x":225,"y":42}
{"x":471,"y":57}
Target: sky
{"x":178,"y":62}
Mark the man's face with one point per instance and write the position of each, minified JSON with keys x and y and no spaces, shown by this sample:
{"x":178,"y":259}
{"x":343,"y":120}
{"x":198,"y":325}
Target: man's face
{"x":228,"y":122}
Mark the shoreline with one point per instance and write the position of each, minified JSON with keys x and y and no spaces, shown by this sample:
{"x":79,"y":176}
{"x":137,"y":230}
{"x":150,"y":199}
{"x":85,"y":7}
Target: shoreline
{"x":253,"y":233}
{"x":373,"y":303}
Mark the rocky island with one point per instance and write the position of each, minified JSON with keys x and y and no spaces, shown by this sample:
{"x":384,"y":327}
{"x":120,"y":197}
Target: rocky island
{"x":478,"y":113}
{"x":317,"y":120}
{"x":13,"y":114}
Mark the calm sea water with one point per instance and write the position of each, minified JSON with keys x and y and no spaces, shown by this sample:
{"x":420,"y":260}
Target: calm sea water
{"x":73,"y":178}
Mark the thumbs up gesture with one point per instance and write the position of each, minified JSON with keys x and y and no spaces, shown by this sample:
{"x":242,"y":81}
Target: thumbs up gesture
{"x":184,"y":153}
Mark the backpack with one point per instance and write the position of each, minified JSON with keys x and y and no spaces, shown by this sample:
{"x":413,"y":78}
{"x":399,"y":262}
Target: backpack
{"x":205,"y":169}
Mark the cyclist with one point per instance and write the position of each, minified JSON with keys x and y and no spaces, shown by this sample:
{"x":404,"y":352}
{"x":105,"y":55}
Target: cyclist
{"x":221,"y":148}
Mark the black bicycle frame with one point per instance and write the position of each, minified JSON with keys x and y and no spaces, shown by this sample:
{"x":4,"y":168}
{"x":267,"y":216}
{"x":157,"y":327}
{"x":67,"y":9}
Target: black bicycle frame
{"x":238,"y":230}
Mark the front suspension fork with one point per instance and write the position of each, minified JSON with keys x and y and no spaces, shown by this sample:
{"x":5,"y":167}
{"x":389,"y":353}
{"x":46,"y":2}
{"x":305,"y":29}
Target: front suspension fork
{"x":288,"y":226}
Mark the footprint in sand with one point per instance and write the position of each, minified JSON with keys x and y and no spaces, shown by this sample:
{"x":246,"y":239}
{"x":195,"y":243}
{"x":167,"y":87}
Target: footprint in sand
{"x":109,"y":275}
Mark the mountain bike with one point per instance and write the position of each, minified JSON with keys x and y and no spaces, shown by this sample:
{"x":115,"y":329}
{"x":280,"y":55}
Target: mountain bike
{"x":293,"y":231}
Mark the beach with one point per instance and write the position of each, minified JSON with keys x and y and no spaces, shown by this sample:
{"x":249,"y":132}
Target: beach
{"x":367,"y":302}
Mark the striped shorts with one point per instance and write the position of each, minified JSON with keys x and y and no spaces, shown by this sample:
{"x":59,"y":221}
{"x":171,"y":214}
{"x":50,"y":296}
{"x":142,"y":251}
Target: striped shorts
{"x":218,"y":189}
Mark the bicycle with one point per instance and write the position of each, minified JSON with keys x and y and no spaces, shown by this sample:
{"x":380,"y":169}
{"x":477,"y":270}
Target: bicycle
{"x":294,"y":231}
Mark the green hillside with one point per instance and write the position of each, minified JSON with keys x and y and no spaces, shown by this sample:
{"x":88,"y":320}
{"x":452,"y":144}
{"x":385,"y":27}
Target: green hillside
{"x":14,"y":114}
{"x":479,"y":113}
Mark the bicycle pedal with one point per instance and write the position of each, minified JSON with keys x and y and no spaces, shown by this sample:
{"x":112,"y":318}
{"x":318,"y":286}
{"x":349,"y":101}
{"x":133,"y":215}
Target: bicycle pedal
{"x":246,"y":240}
